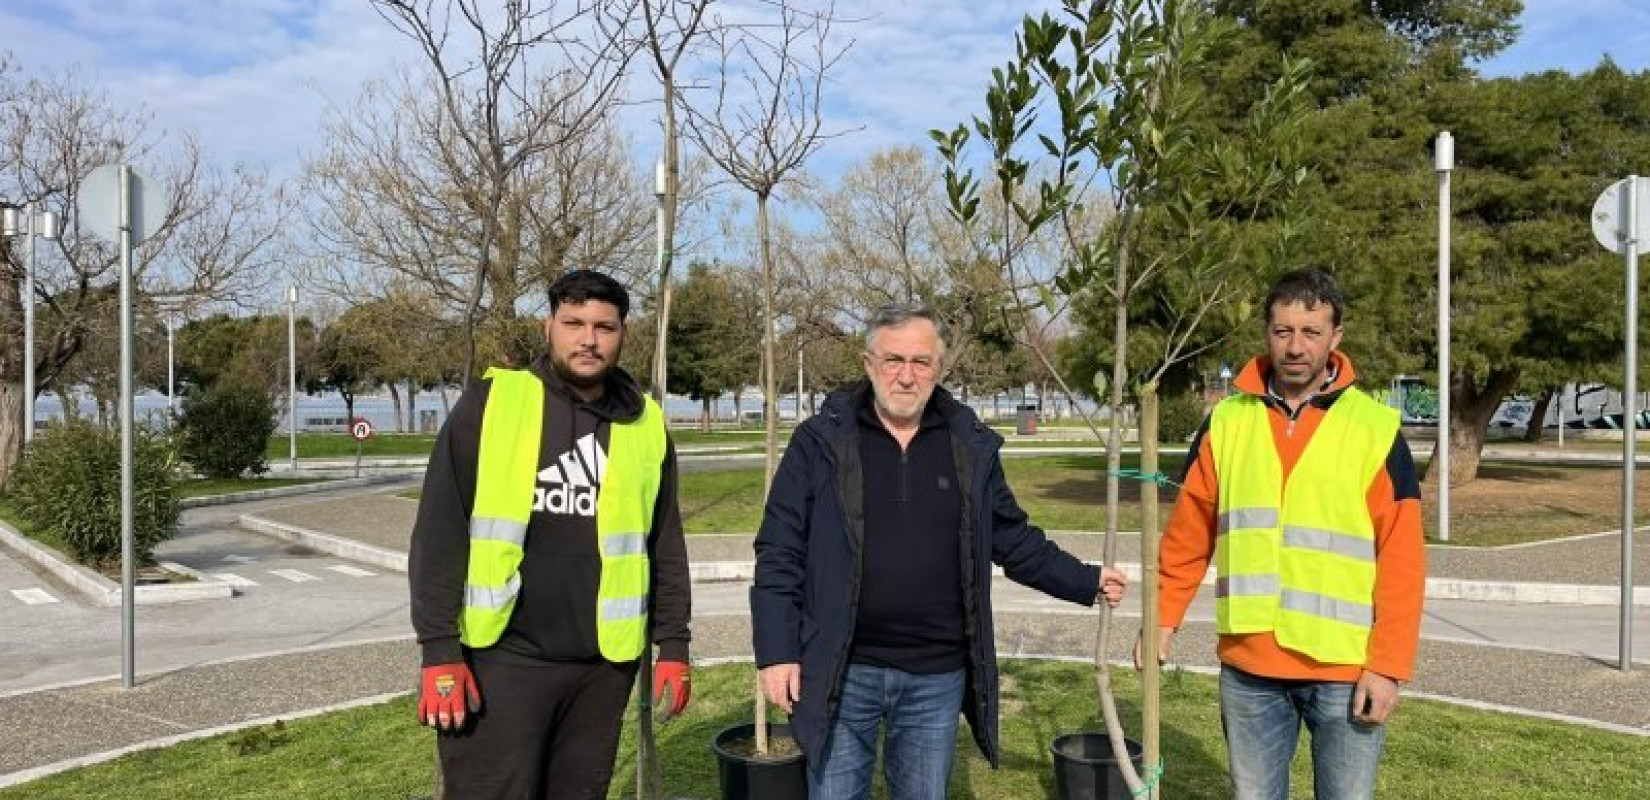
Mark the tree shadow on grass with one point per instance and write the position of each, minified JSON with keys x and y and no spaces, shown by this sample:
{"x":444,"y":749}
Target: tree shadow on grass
{"x":1519,"y":473}
{"x":703,"y":506}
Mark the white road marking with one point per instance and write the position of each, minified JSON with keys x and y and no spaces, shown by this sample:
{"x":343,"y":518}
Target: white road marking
{"x":33,"y":597}
{"x":353,"y":572}
{"x":293,"y":575}
{"x":234,"y":580}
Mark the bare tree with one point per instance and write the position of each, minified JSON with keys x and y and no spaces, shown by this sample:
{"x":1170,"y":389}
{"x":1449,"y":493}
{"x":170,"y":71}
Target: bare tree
{"x":671,"y":29}
{"x":497,"y":107}
{"x":393,"y":209}
{"x":764,"y":124}
{"x":214,"y":242}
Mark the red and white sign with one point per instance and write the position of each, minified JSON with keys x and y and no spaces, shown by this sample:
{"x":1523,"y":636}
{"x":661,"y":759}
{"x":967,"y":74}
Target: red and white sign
{"x":361,"y":429}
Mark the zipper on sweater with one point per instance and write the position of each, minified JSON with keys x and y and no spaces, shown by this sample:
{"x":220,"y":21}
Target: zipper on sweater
{"x":904,"y":474}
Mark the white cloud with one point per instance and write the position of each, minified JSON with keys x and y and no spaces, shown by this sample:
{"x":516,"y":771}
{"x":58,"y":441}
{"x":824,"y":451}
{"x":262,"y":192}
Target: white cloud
{"x":253,"y":78}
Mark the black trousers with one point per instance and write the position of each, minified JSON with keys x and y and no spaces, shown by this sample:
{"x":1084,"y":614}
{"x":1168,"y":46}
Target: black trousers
{"x":548,"y":731}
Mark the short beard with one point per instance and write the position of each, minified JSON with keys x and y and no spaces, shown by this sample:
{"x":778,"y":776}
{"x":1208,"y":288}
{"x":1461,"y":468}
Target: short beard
{"x":568,"y":377}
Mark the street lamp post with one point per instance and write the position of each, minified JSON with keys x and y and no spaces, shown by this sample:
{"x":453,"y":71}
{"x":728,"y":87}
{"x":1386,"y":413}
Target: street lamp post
{"x":30,"y":223}
{"x":292,"y":375}
{"x":171,"y":373}
{"x":1444,"y":157}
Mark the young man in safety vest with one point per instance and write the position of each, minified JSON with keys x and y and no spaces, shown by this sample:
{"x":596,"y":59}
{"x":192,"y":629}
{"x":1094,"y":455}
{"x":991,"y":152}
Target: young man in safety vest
{"x":1302,"y":491}
{"x":547,"y":534}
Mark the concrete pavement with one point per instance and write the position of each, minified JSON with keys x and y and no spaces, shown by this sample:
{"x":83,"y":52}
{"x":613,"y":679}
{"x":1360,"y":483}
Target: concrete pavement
{"x":1548,"y":659}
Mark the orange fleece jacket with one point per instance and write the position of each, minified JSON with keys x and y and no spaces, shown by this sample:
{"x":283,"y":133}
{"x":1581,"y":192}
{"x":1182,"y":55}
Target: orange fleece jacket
{"x":1400,"y":556}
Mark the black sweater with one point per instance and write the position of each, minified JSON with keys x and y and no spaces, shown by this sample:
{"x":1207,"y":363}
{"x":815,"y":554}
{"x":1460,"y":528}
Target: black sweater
{"x":910,"y":604}
{"x":555,"y":614}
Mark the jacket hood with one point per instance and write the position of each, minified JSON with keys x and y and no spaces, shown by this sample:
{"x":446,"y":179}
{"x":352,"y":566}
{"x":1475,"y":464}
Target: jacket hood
{"x":620,"y":402}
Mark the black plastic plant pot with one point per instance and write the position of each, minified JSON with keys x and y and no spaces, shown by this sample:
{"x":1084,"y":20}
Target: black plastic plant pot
{"x":745,"y":776}
{"x":1084,"y":768}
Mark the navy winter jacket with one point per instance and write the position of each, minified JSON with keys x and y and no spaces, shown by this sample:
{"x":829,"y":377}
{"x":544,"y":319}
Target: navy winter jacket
{"x":808,"y":570}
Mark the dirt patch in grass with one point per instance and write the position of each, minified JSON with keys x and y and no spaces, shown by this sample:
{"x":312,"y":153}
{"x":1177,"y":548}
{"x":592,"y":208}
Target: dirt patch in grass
{"x":1512,"y":503}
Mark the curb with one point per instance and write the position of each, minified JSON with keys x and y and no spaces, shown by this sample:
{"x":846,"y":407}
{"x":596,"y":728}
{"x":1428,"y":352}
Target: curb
{"x":325,"y":543}
{"x":100,"y":590}
{"x":1513,"y":592}
{"x":287,"y":491}
{"x":46,"y":770}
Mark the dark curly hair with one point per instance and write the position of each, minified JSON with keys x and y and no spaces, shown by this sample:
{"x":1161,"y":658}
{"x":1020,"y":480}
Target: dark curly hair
{"x":1310,"y":288}
{"x":583,"y":285}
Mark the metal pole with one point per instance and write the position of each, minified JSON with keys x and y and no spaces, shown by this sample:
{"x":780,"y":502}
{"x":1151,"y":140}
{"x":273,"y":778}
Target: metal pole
{"x":128,"y":556}
{"x":661,"y":250}
{"x":1561,"y":416}
{"x":1444,"y":156}
{"x":1629,"y":424}
{"x":28,"y":328}
{"x":292,"y":375}
{"x":799,"y":384}
{"x":171,"y":380}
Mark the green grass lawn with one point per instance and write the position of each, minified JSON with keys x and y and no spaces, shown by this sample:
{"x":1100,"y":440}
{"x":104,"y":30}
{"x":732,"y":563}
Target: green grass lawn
{"x":744,"y":437}
{"x":1434,"y":750}
{"x":1059,"y":492}
{"x":12,"y":517}
{"x":341,"y":445}
{"x":206,"y":487}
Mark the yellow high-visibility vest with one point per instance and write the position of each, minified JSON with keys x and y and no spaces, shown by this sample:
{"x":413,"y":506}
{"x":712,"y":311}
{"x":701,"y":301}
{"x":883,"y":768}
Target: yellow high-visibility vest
{"x":1299,"y":560}
{"x":512,"y":425}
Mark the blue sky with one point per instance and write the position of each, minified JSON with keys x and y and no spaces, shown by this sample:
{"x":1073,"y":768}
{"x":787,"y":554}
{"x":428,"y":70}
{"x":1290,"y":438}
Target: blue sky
{"x":252,"y":78}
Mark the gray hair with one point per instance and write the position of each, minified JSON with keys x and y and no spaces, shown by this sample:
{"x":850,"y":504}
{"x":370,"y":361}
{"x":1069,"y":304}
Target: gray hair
{"x":897,"y":314}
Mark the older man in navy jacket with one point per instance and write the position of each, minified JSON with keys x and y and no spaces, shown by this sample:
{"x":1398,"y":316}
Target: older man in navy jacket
{"x":872,"y":601}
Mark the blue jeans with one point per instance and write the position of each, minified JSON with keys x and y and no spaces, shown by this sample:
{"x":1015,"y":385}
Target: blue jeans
{"x":921,"y":714}
{"x":1262,"y":718}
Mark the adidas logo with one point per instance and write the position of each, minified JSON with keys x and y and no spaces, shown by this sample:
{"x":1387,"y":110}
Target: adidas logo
{"x":569,"y":486}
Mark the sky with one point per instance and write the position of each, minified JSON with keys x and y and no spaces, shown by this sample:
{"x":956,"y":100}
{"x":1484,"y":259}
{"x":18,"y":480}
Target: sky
{"x":253,"y":79}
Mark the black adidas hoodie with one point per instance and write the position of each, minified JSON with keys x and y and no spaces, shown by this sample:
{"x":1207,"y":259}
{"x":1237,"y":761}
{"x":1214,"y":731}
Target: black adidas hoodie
{"x":555,"y":614}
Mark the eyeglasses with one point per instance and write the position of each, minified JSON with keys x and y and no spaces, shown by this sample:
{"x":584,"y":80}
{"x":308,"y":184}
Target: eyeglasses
{"x":922,"y":366}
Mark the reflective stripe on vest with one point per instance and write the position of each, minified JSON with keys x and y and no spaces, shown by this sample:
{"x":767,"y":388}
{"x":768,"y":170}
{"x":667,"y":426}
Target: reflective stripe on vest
{"x":624,"y":516}
{"x":511,"y":429}
{"x":1298,"y":560}
{"x":507,"y":469}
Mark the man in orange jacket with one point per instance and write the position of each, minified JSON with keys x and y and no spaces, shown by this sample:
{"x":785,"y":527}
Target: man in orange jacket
{"x":1303,"y":492}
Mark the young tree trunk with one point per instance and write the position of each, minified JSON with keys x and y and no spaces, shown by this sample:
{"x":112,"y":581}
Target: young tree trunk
{"x":770,"y":415}
{"x":11,"y":426}
{"x":395,"y":400}
{"x":704,"y":414}
{"x":11,"y":364}
{"x":71,"y":409}
{"x":1535,"y":431}
{"x":412,"y":405}
{"x":1150,"y":685}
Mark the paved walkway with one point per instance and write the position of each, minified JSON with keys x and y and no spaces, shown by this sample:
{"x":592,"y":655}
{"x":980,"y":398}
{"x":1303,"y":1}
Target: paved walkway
{"x":91,"y":721}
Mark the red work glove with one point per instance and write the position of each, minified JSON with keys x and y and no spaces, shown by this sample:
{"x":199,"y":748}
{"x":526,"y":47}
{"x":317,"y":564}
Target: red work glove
{"x":448,"y":693}
{"x":672,"y":685}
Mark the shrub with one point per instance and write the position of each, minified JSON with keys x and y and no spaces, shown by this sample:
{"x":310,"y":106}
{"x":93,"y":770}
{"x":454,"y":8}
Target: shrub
{"x":1178,"y":416}
{"x":68,"y":483}
{"x":226,"y":431}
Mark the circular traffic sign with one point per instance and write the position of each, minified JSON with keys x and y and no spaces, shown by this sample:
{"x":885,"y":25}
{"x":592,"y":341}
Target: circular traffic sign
{"x":1612,"y":226}
{"x":361,"y":429}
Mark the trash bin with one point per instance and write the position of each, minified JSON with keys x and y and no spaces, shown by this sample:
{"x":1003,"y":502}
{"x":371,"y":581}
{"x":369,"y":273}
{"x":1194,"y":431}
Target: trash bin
{"x":1025,"y":420}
